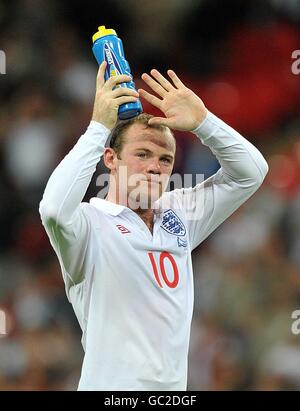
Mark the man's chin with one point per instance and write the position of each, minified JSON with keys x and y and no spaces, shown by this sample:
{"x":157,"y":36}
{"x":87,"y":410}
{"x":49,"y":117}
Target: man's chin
{"x":143,"y":202}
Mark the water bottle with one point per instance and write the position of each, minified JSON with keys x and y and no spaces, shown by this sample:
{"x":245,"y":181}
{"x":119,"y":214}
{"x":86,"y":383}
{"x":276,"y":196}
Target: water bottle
{"x":108,"y":46}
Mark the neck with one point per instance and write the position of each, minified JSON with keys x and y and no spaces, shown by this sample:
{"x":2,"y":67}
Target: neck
{"x":147,"y":216}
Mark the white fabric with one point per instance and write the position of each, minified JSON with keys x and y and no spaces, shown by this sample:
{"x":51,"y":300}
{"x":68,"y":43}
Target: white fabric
{"x":134,"y":317}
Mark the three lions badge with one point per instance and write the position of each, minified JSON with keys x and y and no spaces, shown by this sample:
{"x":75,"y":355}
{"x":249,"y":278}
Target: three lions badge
{"x":173,"y":225}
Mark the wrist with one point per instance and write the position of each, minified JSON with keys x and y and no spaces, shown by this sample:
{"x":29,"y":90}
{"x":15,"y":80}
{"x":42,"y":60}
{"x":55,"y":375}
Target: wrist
{"x":200,"y":120}
{"x":100,"y":124}
{"x":108,"y":125}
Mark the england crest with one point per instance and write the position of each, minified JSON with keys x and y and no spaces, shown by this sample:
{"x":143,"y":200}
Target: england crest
{"x":172,"y":224}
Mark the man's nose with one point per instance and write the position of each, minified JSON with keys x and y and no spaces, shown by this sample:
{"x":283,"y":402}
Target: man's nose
{"x":154,"y":167}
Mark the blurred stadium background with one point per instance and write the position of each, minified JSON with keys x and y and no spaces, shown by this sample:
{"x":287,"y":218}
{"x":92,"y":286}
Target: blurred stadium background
{"x":236,"y":55}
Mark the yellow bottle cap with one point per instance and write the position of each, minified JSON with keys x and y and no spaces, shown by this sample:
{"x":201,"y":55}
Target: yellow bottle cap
{"x":102,"y":31}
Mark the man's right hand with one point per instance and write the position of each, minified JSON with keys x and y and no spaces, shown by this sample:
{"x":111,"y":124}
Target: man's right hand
{"x":107,"y":100}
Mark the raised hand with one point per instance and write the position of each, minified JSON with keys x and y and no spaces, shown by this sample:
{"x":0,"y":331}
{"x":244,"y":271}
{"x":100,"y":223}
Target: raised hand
{"x":183,"y":109}
{"x":109,"y":97}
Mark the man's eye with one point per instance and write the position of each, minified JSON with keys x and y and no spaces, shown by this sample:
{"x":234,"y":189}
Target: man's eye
{"x":142,"y":155}
{"x":166,"y":160}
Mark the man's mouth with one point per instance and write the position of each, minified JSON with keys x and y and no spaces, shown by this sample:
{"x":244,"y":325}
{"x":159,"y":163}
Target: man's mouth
{"x":153,"y":182}
{"x":154,"y":179}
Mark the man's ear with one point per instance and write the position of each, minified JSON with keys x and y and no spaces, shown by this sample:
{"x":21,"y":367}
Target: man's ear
{"x":110,"y":158}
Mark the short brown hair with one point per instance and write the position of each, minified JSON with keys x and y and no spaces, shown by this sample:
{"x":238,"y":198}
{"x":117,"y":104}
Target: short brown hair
{"x":117,"y":134}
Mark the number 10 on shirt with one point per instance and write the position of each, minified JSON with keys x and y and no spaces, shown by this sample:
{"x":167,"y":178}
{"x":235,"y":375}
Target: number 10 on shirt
{"x":161,"y":273}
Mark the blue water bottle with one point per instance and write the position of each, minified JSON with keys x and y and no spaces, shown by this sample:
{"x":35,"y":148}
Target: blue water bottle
{"x":107,"y":46}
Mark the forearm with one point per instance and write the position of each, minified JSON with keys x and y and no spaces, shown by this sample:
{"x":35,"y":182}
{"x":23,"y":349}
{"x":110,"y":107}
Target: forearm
{"x":70,"y":180}
{"x":240,"y":161}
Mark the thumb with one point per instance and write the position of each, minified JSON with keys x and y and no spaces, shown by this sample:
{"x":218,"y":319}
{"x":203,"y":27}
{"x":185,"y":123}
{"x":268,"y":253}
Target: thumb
{"x":160,"y":121}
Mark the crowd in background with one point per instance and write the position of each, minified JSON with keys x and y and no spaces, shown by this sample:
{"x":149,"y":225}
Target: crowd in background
{"x":237,"y":58}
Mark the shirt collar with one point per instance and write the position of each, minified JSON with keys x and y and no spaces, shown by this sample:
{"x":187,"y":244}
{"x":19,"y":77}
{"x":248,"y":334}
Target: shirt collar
{"x":107,"y":206}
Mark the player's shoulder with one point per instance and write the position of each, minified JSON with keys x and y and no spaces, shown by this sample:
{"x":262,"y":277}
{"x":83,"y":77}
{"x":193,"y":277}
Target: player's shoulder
{"x":91,"y":213}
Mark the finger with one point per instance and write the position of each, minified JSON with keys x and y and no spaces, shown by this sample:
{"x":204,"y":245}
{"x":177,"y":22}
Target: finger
{"x":124,"y":91}
{"x":154,"y":85}
{"x":160,"y":121}
{"x":125,"y":99}
{"x":114,"y":80}
{"x":156,"y":102}
{"x":100,"y":75}
{"x":162,"y":80}
{"x":176,"y":80}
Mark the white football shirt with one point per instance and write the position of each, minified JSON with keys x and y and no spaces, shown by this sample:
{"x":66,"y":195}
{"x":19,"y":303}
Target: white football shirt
{"x":132,"y":291}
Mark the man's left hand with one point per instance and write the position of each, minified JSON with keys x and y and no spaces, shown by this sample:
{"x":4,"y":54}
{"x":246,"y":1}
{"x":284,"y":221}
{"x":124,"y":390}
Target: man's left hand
{"x":183,"y":109}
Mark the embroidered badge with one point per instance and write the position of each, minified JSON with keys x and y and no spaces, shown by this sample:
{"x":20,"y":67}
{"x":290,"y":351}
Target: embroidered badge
{"x":172,"y":224}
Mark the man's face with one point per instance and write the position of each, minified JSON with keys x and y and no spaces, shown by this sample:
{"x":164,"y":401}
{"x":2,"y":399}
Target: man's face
{"x":147,"y":157}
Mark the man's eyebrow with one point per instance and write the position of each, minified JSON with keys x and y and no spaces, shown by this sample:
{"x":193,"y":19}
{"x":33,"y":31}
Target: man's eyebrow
{"x":149,"y":151}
